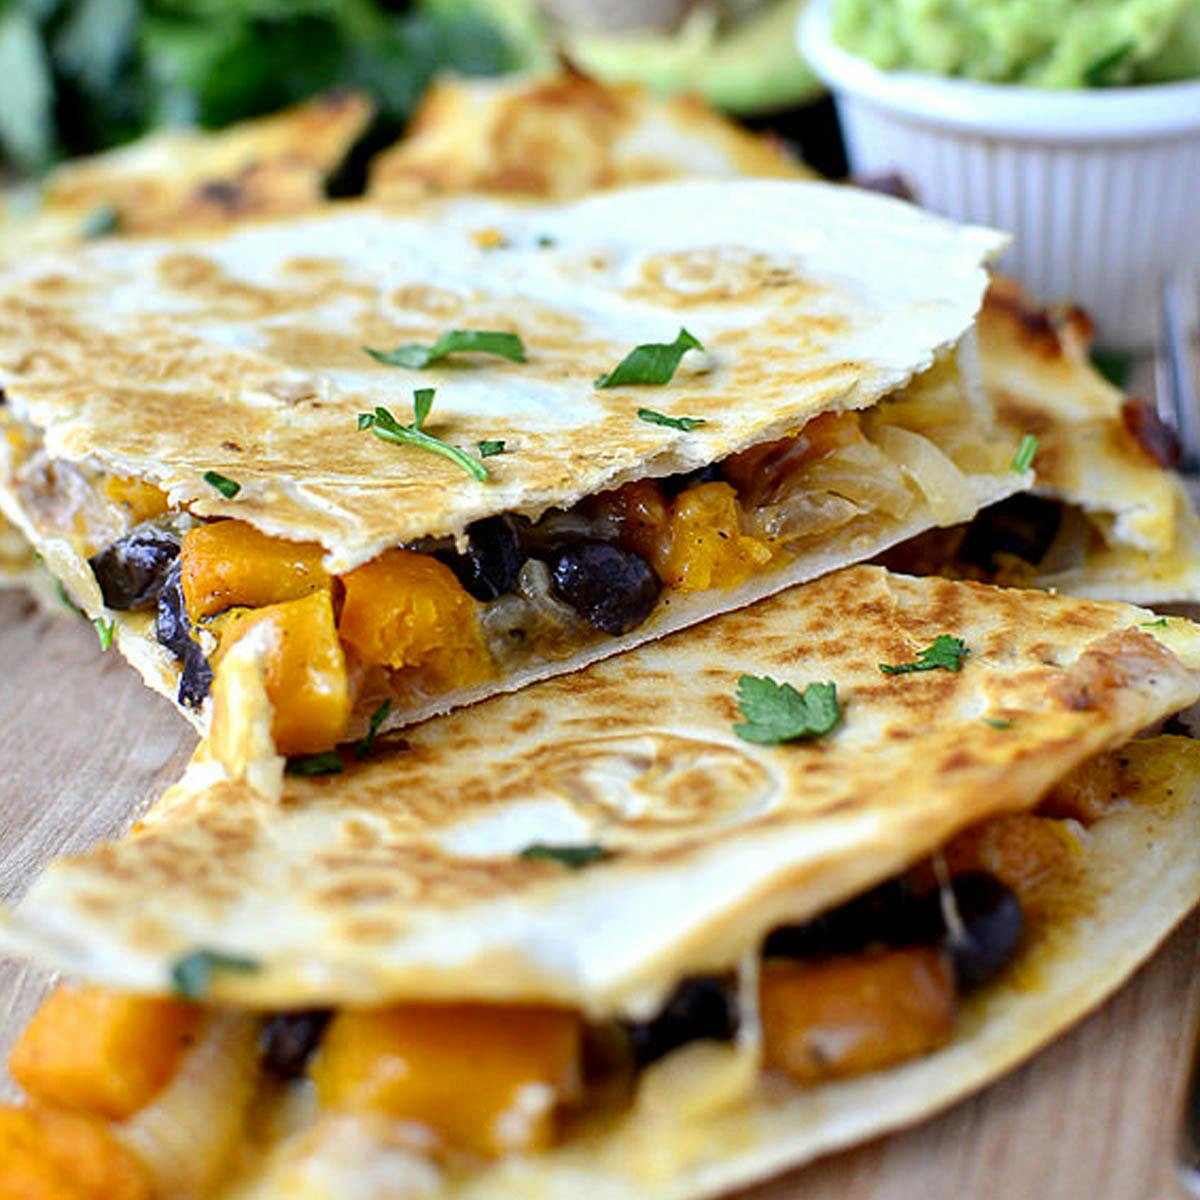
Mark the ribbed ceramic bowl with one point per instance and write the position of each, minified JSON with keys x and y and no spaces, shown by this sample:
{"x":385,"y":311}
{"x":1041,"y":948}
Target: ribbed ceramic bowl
{"x":1101,"y":187}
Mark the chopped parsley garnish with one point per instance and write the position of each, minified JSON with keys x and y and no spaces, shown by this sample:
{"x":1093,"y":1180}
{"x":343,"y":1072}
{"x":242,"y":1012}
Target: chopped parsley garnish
{"x":1114,"y":366}
{"x":654,"y":363}
{"x":545,"y":241}
{"x":418,"y":356}
{"x":1026,"y":453}
{"x":490,"y":449}
{"x":329,"y":763}
{"x":100,"y":222}
{"x":996,"y":722}
{"x":60,"y":588}
{"x":365,"y":744}
{"x":572,"y":857}
{"x":227,"y":487}
{"x":192,"y":975}
{"x":104,"y":631}
{"x":383,"y":425}
{"x":946,"y":653}
{"x":1161,"y":623}
{"x":1103,"y":73}
{"x":687,"y":424}
{"x":776,"y":712}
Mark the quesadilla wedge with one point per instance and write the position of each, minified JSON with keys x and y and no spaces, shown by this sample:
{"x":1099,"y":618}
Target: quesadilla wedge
{"x":1108,"y":517}
{"x":561,"y":136}
{"x":606,"y":937}
{"x":618,"y":417}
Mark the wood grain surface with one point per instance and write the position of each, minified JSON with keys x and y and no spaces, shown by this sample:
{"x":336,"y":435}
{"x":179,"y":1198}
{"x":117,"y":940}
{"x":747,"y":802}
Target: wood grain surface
{"x":84,"y":747}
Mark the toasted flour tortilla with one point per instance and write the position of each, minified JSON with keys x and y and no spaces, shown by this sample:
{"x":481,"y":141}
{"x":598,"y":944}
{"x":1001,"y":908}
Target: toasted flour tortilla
{"x":400,"y":878}
{"x":242,"y":353}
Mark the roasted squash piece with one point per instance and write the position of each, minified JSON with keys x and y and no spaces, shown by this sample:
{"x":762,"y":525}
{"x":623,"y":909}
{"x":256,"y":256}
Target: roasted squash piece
{"x":1022,"y":850}
{"x":143,"y":500}
{"x":230,"y":563}
{"x":642,"y":515}
{"x":47,"y":1154}
{"x":706,"y":546}
{"x":836,"y":1017}
{"x":305,"y":671}
{"x":487,"y":1078}
{"x":406,"y":609}
{"x":102,"y":1051}
{"x":1088,"y":793}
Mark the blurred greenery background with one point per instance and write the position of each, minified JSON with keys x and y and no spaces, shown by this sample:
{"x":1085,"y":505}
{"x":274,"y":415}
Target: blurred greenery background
{"x":82,"y":75}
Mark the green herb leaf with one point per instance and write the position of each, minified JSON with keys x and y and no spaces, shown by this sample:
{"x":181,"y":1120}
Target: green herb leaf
{"x":1161,"y":623}
{"x":490,"y":449}
{"x":417,"y":356}
{"x":996,"y":722}
{"x":384,"y":426}
{"x":776,"y":712}
{"x":1102,"y":73}
{"x":572,"y":857}
{"x":104,"y":631}
{"x":687,"y":424}
{"x":366,"y":743}
{"x":1026,"y":453}
{"x":227,"y":487}
{"x":100,"y":222}
{"x":62,"y":595}
{"x":329,"y":763}
{"x":654,"y":363}
{"x":946,"y":653}
{"x":545,"y":241}
{"x":1114,"y":366}
{"x":192,"y":975}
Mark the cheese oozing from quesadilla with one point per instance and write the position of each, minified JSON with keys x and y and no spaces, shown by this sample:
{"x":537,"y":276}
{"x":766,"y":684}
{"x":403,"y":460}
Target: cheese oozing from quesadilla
{"x":378,"y":993}
{"x":200,"y":440}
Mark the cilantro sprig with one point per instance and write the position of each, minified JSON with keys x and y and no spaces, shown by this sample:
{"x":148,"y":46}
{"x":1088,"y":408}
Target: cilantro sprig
{"x":490,"y":448}
{"x":329,"y":763}
{"x":653,"y":363}
{"x":686,"y":424}
{"x":385,"y":426}
{"x":226,"y":486}
{"x":104,"y":631}
{"x":366,"y":743}
{"x":572,"y":857}
{"x":192,"y":975}
{"x":777,"y":712}
{"x":1026,"y":453}
{"x":417,"y":356}
{"x":944,"y":653}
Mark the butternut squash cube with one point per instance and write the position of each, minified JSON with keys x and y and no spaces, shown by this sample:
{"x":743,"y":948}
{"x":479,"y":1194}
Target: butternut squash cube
{"x":1022,"y":850}
{"x":102,"y":1051}
{"x":835,"y":1017}
{"x":46,"y":1154}
{"x":143,"y":500}
{"x":490,"y":1079}
{"x":707,"y":548}
{"x":305,"y":671}
{"x":406,"y":609}
{"x":230,"y":563}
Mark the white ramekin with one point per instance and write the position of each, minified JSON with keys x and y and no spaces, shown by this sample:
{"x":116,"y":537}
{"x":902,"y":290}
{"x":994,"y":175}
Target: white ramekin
{"x":1100,"y":187}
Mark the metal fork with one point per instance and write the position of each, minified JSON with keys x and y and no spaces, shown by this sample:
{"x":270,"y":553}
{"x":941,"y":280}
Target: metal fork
{"x":1178,"y":404}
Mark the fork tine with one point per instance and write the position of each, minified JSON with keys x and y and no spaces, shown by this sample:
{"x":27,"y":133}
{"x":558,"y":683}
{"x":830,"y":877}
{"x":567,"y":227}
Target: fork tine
{"x":1175,"y":375}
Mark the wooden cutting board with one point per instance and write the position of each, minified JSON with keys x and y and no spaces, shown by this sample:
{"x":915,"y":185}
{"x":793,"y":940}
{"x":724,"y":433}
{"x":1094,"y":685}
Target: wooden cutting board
{"x":84,"y":747}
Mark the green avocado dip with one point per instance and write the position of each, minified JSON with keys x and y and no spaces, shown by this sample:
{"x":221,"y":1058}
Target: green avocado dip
{"x":1039,"y":43}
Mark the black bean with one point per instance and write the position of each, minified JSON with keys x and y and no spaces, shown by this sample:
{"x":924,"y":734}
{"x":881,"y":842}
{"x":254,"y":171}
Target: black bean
{"x":195,"y":680}
{"x":492,"y":561}
{"x":289,"y":1039}
{"x":131,"y":572}
{"x":672,"y":485}
{"x":613,"y":589}
{"x":173,"y":630}
{"x":890,"y":914}
{"x":1024,"y":526}
{"x":992,"y":926}
{"x":704,"y":1007}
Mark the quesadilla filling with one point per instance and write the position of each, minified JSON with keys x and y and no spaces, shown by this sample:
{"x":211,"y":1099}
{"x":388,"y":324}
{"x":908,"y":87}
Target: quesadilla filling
{"x":132,"y":1097}
{"x":443,"y":615}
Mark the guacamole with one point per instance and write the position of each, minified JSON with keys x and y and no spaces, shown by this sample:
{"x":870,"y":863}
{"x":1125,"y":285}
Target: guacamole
{"x":1040,"y":43}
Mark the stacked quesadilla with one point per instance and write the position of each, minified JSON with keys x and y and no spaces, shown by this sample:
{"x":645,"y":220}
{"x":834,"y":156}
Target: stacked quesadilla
{"x":611,"y":936}
{"x":649,"y":924}
{"x":441,"y":454}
